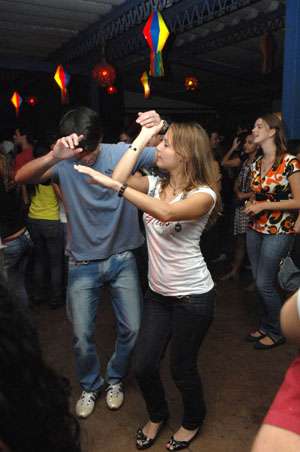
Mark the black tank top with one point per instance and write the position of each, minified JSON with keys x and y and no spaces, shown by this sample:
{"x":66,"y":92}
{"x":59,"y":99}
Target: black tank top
{"x":12,"y":211}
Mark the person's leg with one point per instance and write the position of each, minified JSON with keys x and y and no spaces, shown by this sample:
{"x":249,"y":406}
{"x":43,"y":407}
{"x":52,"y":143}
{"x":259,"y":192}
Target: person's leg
{"x":121,"y":272}
{"x":240,"y":251}
{"x":254,"y":244}
{"x":15,"y":260}
{"x":53,"y":235}
{"x":83,"y":296}
{"x":40,"y":292}
{"x":275,"y":439}
{"x":273,"y":249}
{"x":190,"y":323}
{"x":152,"y":341}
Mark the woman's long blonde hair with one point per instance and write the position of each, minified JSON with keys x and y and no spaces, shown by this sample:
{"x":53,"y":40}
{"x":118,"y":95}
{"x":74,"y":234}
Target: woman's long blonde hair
{"x":190,"y":141}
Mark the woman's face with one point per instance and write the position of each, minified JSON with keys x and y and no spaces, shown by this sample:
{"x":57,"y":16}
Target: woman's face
{"x":249,"y":145}
{"x":262,"y":132}
{"x":167,"y":158}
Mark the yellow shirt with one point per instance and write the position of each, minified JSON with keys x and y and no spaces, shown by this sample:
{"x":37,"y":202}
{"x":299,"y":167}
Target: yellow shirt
{"x":44,"y":204}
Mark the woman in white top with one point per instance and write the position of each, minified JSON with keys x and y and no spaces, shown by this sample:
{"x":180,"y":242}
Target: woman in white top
{"x":179,"y":305}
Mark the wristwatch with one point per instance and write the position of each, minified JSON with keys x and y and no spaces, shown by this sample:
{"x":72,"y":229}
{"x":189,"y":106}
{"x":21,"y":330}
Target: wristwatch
{"x":164,"y":128}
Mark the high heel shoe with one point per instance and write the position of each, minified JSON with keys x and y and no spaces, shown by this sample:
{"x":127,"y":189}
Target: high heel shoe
{"x":143,"y":442}
{"x":174,"y":444}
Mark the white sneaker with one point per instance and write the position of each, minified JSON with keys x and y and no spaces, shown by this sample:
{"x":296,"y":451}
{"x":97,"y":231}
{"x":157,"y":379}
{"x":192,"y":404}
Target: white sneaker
{"x":86,"y":404}
{"x":114,"y":396}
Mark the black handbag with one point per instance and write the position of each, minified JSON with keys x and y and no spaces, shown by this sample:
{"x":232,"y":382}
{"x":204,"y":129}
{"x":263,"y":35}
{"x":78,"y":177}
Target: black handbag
{"x":289,"y":275}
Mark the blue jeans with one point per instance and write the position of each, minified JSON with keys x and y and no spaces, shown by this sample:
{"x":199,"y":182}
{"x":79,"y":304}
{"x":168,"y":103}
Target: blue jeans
{"x":265,"y":252}
{"x":184,"y":323}
{"x":84,"y":283}
{"x":15,"y":257}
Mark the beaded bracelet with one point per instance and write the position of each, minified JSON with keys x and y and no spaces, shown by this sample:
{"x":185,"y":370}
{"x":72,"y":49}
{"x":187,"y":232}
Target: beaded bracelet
{"x":122,"y":189}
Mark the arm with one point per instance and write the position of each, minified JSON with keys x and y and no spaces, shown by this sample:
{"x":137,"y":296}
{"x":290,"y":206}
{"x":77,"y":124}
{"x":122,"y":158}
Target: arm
{"x":151,"y":125}
{"x":289,"y":204}
{"x":289,"y":319}
{"x":188,"y":209}
{"x":297,"y":224}
{"x":228,"y":161}
{"x":39,"y":170}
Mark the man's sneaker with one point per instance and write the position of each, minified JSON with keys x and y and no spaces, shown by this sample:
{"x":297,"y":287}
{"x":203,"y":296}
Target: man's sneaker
{"x":114,"y":396}
{"x":86,"y":404}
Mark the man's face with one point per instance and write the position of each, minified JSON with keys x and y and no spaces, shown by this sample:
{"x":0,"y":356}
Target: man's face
{"x":87,"y":157}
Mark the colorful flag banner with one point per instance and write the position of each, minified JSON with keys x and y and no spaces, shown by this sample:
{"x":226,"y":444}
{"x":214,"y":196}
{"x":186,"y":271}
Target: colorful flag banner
{"x":16,"y":100}
{"x":62,"y":78}
{"x":145,"y":82}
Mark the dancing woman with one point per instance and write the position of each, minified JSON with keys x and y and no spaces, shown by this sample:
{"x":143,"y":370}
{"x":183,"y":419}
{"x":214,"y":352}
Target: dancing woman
{"x":180,"y":302}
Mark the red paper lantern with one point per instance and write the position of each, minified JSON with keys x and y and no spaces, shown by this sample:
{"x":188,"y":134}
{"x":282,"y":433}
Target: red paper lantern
{"x":32,"y":101}
{"x":111,"y":89}
{"x":191,"y":83}
{"x":104,"y":74}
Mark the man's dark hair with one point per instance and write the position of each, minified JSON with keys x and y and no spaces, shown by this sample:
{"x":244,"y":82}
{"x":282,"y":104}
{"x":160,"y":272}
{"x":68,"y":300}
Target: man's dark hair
{"x":34,"y":400}
{"x":82,"y":121}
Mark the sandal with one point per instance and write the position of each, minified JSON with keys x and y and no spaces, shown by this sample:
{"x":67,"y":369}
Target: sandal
{"x":174,"y":444}
{"x":252,"y":338}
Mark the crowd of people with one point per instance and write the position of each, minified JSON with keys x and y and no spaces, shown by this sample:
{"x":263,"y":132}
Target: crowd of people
{"x":73,"y":200}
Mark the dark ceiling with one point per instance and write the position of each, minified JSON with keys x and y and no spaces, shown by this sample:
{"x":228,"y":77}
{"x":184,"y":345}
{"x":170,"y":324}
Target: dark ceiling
{"x":218,"y":41}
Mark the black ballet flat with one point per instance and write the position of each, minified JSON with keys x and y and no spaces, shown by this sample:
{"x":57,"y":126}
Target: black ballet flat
{"x":143,"y":442}
{"x":251,"y":338}
{"x":179,"y":445}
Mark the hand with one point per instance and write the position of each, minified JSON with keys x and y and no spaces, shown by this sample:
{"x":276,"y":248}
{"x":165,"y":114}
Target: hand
{"x":253,"y":208}
{"x":149,"y":132}
{"x":235,"y":144}
{"x":95,"y":176}
{"x":239,"y":194}
{"x":149,"y":119}
{"x":67,"y":147}
{"x":297,"y":225}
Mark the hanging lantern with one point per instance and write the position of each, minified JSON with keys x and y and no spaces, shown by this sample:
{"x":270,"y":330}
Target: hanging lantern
{"x":32,"y":101}
{"x":16,"y":100}
{"x":111,"y":89}
{"x":145,"y":82}
{"x":104,"y":74}
{"x":191,"y":83}
{"x":62,"y":78}
{"x":156,"y":34}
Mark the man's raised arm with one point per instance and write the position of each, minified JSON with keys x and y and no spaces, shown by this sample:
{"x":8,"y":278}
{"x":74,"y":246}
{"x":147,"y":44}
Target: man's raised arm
{"x":39,"y":169}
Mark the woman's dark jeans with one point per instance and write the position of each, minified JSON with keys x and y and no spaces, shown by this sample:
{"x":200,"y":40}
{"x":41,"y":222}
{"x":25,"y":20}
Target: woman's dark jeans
{"x":265,"y":252}
{"x":184,"y":322}
{"x":47,"y":236}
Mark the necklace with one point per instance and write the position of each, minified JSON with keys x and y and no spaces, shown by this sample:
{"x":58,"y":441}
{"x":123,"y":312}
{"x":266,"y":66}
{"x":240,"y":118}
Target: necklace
{"x":266,"y":166}
{"x":176,"y":190}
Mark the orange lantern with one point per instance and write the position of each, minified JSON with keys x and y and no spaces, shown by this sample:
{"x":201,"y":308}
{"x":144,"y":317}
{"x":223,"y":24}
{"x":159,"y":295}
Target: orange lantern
{"x":191,"y":83}
{"x":104,"y":74}
{"x":111,"y":89}
{"x":32,"y":101}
